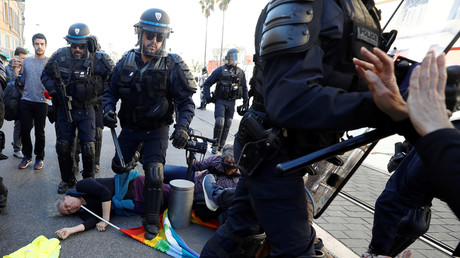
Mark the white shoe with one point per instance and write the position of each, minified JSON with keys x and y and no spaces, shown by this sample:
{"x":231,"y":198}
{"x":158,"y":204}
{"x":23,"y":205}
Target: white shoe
{"x":18,"y":154}
{"x":208,"y":187}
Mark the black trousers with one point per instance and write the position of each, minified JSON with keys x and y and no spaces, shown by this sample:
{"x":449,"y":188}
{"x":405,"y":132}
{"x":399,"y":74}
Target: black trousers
{"x":33,"y":114}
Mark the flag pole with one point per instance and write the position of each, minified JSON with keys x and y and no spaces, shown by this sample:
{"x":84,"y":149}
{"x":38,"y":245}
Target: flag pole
{"x":95,"y":215}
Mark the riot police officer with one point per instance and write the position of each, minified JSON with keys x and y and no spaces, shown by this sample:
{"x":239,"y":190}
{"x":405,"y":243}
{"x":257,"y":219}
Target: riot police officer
{"x":231,"y":85}
{"x":308,"y":92}
{"x":75,"y":77}
{"x":203,"y":77}
{"x":152,"y":84}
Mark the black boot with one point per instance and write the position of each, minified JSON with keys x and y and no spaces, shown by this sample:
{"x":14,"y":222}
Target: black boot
{"x":225,"y":130}
{"x":153,"y":198}
{"x":151,"y":219}
{"x":66,"y":165}
{"x":97,"y":149}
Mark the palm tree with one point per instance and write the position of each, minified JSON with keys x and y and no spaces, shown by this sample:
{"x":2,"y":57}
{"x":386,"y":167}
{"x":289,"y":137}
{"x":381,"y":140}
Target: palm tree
{"x":223,"y":5}
{"x":207,"y":6}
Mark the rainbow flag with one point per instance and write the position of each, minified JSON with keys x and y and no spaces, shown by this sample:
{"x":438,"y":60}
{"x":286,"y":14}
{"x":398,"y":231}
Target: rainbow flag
{"x":210,"y":223}
{"x":167,"y":241}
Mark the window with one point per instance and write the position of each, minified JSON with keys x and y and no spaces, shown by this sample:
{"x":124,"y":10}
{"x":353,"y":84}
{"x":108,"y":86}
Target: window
{"x":5,"y":8}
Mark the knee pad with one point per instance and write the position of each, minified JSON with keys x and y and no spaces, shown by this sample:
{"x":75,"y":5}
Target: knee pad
{"x":412,"y":226}
{"x":63,"y":147}
{"x":2,"y":140}
{"x":247,"y":246}
{"x":98,"y":134}
{"x":220,"y":122}
{"x":153,"y":175}
{"x":87,"y":149}
{"x":228,"y":122}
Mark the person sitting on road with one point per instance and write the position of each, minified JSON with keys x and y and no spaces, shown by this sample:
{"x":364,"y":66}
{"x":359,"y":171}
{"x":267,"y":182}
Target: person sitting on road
{"x":224,"y":173}
{"x":122,"y":193}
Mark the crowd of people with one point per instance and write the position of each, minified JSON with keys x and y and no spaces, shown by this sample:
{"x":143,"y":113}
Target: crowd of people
{"x":307,"y":90}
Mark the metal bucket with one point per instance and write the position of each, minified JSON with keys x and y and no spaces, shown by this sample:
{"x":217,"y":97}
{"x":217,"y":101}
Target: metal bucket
{"x":180,"y":203}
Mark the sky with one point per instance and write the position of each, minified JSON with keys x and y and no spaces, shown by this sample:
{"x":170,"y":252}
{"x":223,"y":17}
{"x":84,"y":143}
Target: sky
{"x":112,"y":22}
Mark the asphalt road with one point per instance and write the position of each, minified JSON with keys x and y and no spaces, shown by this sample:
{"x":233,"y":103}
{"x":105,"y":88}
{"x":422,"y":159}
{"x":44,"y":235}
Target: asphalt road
{"x":32,"y":195}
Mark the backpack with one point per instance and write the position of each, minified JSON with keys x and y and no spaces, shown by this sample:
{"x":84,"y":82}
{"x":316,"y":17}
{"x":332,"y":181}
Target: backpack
{"x":11,"y":98}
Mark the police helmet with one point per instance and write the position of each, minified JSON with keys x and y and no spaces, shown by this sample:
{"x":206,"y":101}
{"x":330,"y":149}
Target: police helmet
{"x":78,"y":33}
{"x":155,"y":20}
{"x":232,"y":54}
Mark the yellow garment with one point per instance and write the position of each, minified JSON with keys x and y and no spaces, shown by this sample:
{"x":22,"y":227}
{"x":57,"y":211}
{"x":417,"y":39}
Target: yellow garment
{"x":41,"y":247}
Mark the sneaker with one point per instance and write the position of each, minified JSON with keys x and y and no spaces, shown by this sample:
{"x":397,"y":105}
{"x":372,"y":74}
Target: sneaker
{"x":25,"y":162}
{"x":38,"y":164}
{"x":64,"y":186}
{"x":18,"y":154}
{"x":214,"y":150}
{"x":209,"y":184}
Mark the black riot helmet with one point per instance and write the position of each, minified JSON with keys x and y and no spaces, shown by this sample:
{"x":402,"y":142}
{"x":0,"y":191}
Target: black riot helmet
{"x":154,"y":20}
{"x":232,"y":54}
{"x":78,"y":34}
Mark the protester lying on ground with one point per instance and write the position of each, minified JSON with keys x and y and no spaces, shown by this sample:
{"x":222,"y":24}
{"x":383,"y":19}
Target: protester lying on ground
{"x":440,"y":142}
{"x":123,"y":193}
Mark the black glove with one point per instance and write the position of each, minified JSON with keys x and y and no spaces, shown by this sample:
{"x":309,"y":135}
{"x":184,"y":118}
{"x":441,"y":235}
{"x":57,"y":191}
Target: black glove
{"x":211,"y":98}
{"x":110,"y":119}
{"x":243,"y":108}
{"x":179,"y":137}
{"x":54,"y":93}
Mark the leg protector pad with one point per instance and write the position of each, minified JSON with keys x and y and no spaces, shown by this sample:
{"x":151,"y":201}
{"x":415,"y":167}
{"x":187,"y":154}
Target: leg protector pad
{"x":87,"y":153}
{"x":63,"y":147}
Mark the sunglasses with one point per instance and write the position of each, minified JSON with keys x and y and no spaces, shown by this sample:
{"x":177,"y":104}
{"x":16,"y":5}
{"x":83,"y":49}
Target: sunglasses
{"x":159,"y":36}
{"x":79,"y":46}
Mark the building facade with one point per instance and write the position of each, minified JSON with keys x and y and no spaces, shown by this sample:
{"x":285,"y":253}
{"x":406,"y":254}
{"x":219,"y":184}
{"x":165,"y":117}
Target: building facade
{"x":11,"y":27}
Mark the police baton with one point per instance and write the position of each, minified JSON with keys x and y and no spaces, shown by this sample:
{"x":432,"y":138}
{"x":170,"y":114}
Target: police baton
{"x":117,"y":147}
{"x":336,"y":149}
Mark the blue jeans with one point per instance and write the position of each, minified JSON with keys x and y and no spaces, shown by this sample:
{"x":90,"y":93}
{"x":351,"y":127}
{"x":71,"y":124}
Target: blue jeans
{"x":176,"y":172}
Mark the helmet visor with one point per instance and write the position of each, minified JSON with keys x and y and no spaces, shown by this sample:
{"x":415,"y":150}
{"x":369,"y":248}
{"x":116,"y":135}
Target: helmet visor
{"x":76,"y":39}
{"x":233,"y":56}
{"x":155,"y":27}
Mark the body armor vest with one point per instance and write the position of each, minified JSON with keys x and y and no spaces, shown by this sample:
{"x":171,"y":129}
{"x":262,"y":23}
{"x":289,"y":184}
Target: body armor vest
{"x":361,"y":29}
{"x":229,"y":85}
{"x":81,"y":84}
{"x":144,"y":93}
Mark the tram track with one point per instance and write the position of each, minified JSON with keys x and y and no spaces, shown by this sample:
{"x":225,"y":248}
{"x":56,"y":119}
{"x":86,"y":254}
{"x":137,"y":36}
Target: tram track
{"x":431,"y":241}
